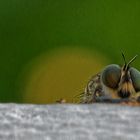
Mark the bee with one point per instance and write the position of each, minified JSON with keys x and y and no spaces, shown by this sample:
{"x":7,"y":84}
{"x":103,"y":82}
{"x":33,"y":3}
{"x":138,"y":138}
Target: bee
{"x":113,"y":84}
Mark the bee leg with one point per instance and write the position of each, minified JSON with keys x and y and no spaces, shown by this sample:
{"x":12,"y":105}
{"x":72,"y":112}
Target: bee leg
{"x":136,"y":97}
{"x":106,"y":99}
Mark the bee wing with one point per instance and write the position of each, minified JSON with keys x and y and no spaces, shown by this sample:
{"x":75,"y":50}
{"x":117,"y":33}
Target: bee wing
{"x":92,"y":90}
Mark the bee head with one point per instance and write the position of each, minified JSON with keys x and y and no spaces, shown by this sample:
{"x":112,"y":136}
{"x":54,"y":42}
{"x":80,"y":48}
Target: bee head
{"x":125,"y":80}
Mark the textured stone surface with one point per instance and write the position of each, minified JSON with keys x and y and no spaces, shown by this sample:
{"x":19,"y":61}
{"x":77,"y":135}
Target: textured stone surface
{"x":69,"y":122}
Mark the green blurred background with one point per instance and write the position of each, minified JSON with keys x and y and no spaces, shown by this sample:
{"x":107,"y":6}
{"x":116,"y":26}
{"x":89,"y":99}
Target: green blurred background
{"x":49,"y":49}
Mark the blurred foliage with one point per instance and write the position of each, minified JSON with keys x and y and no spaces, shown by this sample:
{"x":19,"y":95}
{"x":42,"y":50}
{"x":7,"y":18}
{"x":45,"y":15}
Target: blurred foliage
{"x":30,"y":28}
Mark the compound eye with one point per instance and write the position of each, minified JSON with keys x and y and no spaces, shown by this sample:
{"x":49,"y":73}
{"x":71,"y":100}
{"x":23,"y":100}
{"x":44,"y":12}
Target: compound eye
{"x":135,"y":77}
{"x":111,"y":76}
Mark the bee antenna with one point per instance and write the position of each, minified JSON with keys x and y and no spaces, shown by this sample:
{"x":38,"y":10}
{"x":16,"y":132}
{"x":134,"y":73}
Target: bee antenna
{"x":132,"y":60}
{"x":124,"y":58}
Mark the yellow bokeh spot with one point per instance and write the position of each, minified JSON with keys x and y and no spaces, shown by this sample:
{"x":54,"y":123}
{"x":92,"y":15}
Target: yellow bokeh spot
{"x":62,"y":74}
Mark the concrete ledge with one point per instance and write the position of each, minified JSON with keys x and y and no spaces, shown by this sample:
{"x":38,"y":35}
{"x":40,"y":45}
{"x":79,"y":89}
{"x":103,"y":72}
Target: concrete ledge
{"x":69,"y":122}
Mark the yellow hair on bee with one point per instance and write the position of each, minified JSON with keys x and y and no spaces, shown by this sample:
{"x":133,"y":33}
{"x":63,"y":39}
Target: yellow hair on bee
{"x":128,"y":87}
